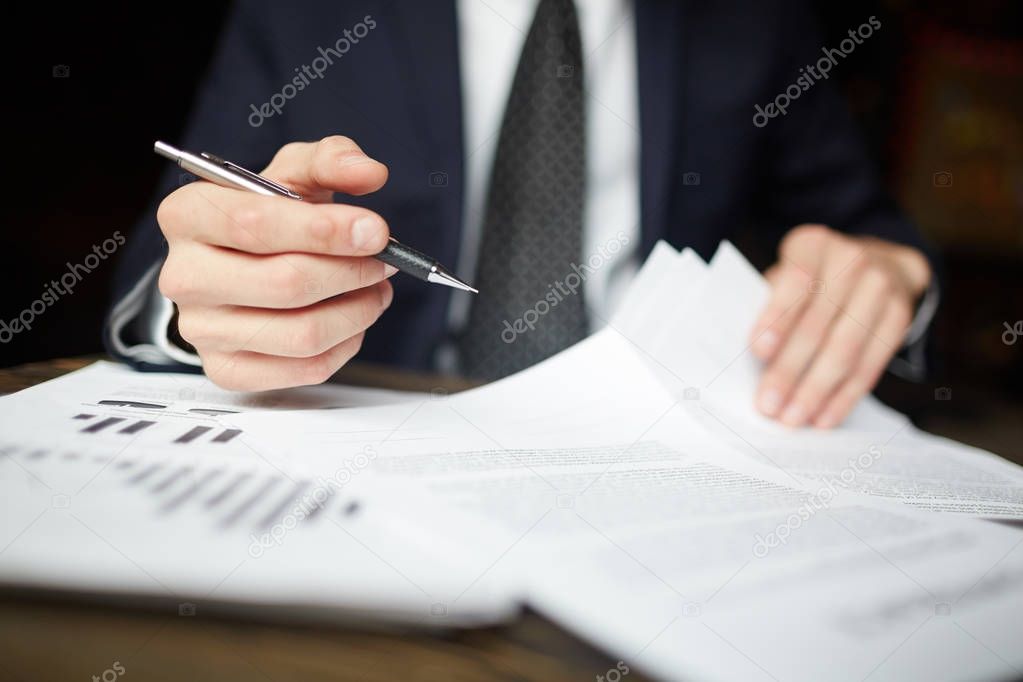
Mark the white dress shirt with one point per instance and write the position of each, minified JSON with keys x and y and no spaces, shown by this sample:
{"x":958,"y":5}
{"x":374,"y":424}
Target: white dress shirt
{"x":491,"y":35}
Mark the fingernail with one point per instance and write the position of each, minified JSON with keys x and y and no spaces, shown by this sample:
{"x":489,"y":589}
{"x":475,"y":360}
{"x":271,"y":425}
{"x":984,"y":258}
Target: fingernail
{"x":794,"y":415}
{"x":352,"y":160}
{"x":366,"y":231}
{"x":770,"y":401}
{"x":389,"y":270}
{"x":386,"y":297}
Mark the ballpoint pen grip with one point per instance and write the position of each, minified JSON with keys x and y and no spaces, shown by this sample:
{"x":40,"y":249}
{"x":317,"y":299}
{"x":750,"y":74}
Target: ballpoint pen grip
{"x":406,"y":259}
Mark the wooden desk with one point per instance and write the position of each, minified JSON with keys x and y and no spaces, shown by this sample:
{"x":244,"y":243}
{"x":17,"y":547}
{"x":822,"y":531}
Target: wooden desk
{"x":56,"y":640}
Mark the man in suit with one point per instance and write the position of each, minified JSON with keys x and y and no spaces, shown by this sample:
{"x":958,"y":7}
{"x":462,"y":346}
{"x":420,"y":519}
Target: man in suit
{"x":514,"y":140}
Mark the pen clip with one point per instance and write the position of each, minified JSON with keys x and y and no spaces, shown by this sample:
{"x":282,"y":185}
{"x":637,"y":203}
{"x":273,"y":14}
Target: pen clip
{"x":254,"y":177}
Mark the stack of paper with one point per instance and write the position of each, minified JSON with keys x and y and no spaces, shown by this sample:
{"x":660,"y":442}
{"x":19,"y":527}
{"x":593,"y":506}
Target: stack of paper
{"x":626,"y":488}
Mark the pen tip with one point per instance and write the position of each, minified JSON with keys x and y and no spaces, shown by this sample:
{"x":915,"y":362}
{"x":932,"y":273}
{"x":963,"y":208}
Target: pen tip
{"x":442,"y":276}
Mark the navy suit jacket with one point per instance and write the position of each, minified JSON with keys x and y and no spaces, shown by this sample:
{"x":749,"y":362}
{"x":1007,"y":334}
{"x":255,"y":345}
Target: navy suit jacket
{"x":703,"y":65}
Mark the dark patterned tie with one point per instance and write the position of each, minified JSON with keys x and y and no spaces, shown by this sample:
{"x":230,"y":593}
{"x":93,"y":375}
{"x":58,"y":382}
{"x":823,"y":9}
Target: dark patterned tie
{"x":530,"y":304}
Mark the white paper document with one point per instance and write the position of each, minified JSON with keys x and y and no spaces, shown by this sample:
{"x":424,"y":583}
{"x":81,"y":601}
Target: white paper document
{"x":134,"y":484}
{"x":626,"y":488}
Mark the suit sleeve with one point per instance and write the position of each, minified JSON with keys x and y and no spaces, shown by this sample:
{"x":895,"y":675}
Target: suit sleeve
{"x":241,"y":75}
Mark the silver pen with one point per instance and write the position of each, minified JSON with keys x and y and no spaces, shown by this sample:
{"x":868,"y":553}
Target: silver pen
{"x":227,"y":174}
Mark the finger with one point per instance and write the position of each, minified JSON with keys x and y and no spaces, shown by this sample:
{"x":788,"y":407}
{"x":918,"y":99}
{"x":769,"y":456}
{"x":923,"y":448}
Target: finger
{"x":880,"y":348}
{"x":826,"y":294}
{"x":841,"y":351}
{"x":246,"y":371}
{"x":300,"y":333}
{"x":257,"y":224}
{"x":799,"y":262}
{"x":788,"y":295}
{"x":201,"y":275}
{"x":318,"y":169}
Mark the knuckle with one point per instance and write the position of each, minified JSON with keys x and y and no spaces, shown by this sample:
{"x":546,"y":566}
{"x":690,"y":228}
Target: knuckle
{"x":801,"y":234}
{"x":336,"y":144}
{"x":350,"y":350}
{"x":224,"y":372}
{"x":289,"y":151}
{"x":170,"y":214}
{"x":309,"y":337}
{"x":174,"y":282}
{"x":191,"y":327}
{"x":317,"y":369}
{"x":322,"y":233}
{"x":370,"y":271}
{"x":827,"y":376}
{"x":877,"y":280}
{"x":244,"y":221}
{"x":285,"y":282}
{"x":813,"y":325}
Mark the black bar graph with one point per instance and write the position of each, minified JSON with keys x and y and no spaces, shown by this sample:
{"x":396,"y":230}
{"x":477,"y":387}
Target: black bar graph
{"x":170,"y":480}
{"x":250,"y":501}
{"x":226,"y":435}
{"x":192,"y":434}
{"x":102,"y":424}
{"x":137,"y":426}
{"x":227,"y":490}
{"x":191,"y":490}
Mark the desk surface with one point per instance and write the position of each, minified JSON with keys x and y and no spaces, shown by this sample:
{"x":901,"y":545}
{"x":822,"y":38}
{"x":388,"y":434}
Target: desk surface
{"x":44,"y":640}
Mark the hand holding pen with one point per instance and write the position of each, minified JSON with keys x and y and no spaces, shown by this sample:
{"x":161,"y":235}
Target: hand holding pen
{"x":256,"y":279}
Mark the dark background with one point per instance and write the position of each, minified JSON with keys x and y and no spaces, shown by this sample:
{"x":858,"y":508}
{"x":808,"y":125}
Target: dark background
{"x":938,"y":90}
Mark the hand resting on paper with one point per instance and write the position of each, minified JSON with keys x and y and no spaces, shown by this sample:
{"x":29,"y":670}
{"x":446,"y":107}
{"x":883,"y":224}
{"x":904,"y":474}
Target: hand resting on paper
{"x":840,"y":308}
